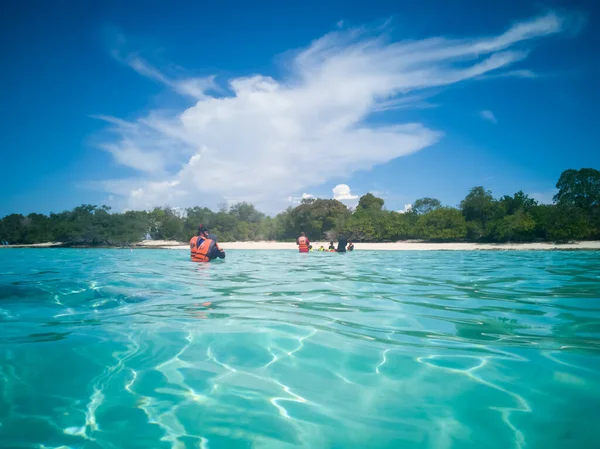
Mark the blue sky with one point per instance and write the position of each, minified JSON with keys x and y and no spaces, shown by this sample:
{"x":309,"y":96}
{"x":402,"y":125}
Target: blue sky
{"x":137,"y":104}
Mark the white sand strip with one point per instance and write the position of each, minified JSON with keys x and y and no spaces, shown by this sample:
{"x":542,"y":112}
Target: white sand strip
{"x":397,"y":246}
{"x":402,"y":246}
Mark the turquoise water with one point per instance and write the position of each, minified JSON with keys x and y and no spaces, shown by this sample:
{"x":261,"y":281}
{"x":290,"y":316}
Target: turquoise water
{"x":144,"y":349}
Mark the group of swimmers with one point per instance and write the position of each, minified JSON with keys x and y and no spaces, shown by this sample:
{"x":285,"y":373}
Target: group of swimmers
{"x":204,"y":246}
{"x":304,"y":245}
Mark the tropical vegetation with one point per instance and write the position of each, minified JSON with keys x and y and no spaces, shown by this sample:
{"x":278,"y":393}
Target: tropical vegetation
{"x":574,"y":215}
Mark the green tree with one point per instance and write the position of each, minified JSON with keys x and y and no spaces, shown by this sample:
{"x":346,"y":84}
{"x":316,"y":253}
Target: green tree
{"x":35,"y":228}
{"x":542,"y":215}
{"x":360,"y":228}
{"x":475,"y":230}
{"x":369,"y":203}
{"x":246,"y":212}
{"x":479,"y":208}
{"x":316,"y":217}
{"x":519,"y":201}
{"x":579,"y":188}
{"x":394,"y":226}
{"x":285,"y":228}
{"x":268,"y":229}
{"x":512,"y":218}
{"x":478,"y":205}
{"x":243,"y":231}
{"x":517,"y":227}
{"x":12,"y":229}
{"x":165,"y":224}
{"x":561,"y":223}
{"x":129,"y":227}
{"x":569,"y":223}
{"x":225,"y":226}
{"x":425,"y":205}
{"x":194,"y":217}
{"x":443,"y":224}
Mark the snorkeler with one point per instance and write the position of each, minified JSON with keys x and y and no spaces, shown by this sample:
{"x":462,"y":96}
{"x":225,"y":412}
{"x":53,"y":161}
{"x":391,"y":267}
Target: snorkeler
{"x":303,"y":243}
{"x":204,"y":246}
{"x":350,"y":246}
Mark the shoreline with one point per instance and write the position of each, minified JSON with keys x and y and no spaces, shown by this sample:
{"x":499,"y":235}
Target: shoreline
{"x":397,"y":246}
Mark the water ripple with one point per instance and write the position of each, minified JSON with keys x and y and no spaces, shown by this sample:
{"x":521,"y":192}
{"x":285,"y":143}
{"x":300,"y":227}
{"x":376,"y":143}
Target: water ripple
{"x":119,"y":348}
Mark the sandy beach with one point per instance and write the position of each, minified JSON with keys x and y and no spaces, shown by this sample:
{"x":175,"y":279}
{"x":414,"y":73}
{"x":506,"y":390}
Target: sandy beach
{"x":34,"y":245}
{"x":397,"y":246}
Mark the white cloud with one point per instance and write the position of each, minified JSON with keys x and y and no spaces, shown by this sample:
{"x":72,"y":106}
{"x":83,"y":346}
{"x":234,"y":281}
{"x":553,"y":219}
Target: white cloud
{"x":407,"y":209}
{"x":341,"y":192}
{"x":268,"y":139}
{"x":295,"y":200}
{"x":489,"y":116}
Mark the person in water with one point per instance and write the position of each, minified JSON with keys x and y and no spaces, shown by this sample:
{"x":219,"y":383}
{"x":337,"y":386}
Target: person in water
{"x":303,"y":243}
{"x":321,"y":248}
{"x":204,"y":246}
{"x":350,"y":246}
{"x":331,"y":247}
{"x":341,"y":245}
{"x":310,"y":248}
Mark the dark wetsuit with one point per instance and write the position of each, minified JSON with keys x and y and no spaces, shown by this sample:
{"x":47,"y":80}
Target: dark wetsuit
{"x":341,"y":246}
{"x":213,"y":251}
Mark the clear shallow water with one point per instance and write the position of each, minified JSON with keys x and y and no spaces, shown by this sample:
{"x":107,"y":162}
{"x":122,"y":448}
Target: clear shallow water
{"x":120,"y":349}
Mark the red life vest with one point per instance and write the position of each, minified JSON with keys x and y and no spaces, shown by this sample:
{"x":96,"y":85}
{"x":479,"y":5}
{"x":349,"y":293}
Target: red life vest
{"x":303,"y":244}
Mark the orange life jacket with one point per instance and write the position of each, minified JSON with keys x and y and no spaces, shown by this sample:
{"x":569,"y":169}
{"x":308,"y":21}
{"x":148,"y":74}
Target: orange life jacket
{"x":193,"y":242}
{"x":201,"y":253}
{"x":303,"y":244}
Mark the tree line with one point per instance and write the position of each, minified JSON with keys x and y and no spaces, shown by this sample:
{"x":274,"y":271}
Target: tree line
{"x":575,"y":215}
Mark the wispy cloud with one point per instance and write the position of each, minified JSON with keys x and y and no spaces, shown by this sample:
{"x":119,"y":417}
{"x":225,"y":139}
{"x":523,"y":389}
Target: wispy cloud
{"x":524,"y":74}
{"x":489,"y":116}
{"x":196,"y":88}
{"x":266,"y":139}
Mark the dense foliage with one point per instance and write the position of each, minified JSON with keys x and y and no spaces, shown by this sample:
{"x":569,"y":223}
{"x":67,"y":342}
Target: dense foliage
{"x":480,"y":217}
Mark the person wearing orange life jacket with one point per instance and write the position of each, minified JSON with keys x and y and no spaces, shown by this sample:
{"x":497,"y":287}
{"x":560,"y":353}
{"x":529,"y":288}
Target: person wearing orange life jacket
{"x":204,"y":246}
{"x":303,"y":243}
